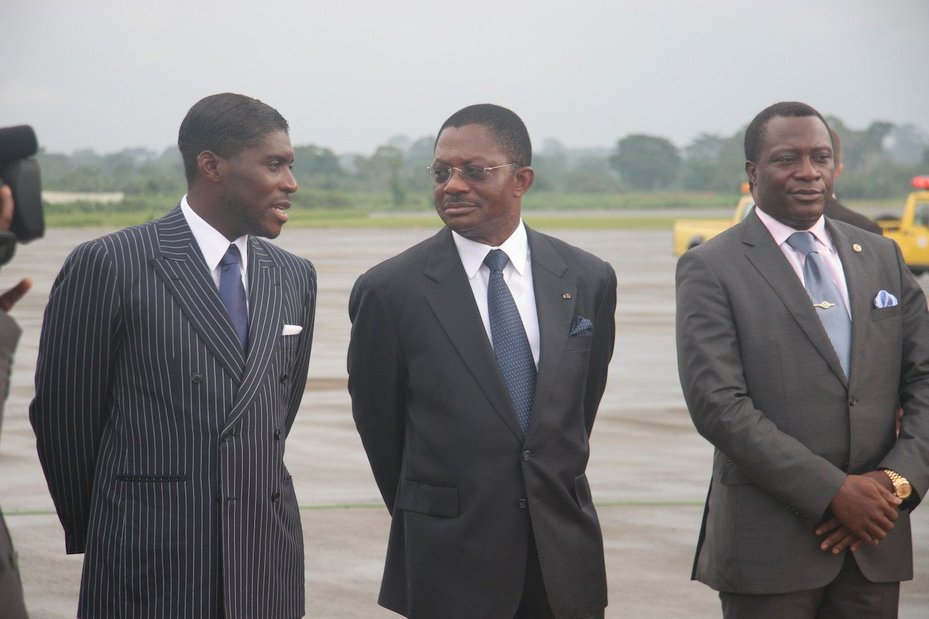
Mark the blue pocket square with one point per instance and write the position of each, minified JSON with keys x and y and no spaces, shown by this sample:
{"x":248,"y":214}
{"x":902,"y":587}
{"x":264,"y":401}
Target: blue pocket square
{"x":581,"y":327}
{"x":884,"y":299}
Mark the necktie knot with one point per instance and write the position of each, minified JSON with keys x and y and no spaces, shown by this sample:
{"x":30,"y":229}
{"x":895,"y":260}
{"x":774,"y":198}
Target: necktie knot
{"x":803,"y":242}
{"x":231,"y":257}
{"x":496,"y":259}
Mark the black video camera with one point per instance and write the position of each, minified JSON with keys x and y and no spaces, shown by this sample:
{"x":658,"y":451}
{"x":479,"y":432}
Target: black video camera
{"x":21,"y":173}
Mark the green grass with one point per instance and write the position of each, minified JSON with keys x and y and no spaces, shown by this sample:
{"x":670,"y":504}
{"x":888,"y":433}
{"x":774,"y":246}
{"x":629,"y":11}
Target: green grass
{"x":342,"y":219}
{"x":542,"y":210}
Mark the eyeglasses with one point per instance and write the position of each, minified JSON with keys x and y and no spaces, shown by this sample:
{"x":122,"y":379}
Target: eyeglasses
{"x":471,"y":173}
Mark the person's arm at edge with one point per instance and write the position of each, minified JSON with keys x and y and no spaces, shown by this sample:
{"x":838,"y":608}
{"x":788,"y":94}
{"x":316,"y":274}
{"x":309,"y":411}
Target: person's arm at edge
{"x":375,"y":375}
{"x":78,"y":342}
{"x":604,"y":336}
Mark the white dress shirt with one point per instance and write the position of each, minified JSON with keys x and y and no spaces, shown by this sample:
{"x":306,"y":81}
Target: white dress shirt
{"x":517,"y":274}
{"x":781,"y":232}
{"x":213,"y":245}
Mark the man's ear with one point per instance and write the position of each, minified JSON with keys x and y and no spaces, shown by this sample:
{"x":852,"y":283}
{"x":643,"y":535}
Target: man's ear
{"x":751,"y":170}
{"x":524,"y":177}
{"x":209,"y":165}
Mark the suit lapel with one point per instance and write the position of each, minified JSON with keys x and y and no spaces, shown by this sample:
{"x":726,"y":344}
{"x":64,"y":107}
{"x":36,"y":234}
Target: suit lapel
{"x":180,"y":265}
{"x":452,"y":303}
{"x":770,"y":262}
{"x":555,"y":306}
{"x":265,"y":304}
{"x":859,"y":290}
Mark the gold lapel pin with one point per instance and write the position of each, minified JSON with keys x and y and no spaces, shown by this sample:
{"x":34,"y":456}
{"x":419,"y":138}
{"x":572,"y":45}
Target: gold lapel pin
{"x":566,"y":296}
{"x":856,"y":248}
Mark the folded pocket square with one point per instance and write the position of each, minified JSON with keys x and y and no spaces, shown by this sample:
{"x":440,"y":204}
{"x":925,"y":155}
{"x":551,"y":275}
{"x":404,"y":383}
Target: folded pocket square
{"x":884,"y":299}
{"x":581,"y":327}
{"x":291,"y":330}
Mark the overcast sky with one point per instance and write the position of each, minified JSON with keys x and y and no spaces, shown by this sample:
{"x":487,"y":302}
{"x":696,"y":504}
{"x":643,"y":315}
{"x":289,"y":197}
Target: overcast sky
{"x":348,"y":75}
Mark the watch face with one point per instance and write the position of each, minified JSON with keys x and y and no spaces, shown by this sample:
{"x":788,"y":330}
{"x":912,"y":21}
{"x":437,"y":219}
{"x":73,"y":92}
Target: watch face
{"x":903,"y":490}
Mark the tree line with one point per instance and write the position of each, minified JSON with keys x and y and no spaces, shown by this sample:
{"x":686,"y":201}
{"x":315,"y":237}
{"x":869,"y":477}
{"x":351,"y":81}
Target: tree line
{"x":879,"y":163}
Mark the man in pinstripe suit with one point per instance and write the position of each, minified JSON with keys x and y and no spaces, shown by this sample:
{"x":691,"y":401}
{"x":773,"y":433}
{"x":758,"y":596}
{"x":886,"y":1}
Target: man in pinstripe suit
{"x":160,"y":432}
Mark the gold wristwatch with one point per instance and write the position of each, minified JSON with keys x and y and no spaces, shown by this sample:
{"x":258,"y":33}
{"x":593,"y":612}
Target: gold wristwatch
{"x":902,"y":487}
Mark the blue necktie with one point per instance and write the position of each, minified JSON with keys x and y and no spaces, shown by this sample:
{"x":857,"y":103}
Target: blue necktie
{"x":826,"y":297}
{"x":511,"y":346}
{"x":232,"y":292}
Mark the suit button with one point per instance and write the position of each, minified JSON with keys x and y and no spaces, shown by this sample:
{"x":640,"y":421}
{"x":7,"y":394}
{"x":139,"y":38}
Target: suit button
{"x":852,"y":401}
{"x":277,"y":435}
{"x":523,"y":504}
{"x":196,"y":377}
{"x":527,"y":455}
{"x":275,"y":497}
{"x":283,"y":378}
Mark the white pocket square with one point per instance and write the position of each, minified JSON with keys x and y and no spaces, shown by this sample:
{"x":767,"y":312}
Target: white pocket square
{"x":291,"y":330}
{"x":884,"y":299}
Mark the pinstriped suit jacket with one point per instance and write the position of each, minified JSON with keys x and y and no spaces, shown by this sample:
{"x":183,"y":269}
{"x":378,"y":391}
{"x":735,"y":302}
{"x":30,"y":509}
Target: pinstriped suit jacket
{"x":161,"y":442}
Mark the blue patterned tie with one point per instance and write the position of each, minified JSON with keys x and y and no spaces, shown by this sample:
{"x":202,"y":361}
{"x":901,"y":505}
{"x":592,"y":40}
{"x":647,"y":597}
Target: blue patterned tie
{"x":232,"y":292}
{"x":511,"y":346}
{"x":826,"y":297}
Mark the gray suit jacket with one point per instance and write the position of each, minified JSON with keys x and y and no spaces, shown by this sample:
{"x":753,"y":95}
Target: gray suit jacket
{"x":764,"y":386}
{"x":161,"y":442}
{"x":458,"y":476}
{"x":11,"y":586}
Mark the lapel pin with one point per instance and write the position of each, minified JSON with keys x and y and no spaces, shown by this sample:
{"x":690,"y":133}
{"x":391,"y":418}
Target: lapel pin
{"x":566,"y":296}
{"x":856,"y":248}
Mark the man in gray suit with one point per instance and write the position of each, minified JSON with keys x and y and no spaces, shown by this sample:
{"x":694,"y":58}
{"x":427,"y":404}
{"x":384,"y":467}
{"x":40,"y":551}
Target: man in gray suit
{"x":476,"y":365}
{"x":172,"y":360}
{"x":797,"y":337}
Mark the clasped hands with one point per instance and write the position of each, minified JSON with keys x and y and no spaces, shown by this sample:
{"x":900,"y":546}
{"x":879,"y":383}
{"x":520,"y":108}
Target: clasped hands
{"x":863,"y":511}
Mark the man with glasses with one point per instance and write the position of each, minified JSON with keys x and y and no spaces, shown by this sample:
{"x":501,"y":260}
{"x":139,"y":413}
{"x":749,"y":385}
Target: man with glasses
{"x":476,"y":365}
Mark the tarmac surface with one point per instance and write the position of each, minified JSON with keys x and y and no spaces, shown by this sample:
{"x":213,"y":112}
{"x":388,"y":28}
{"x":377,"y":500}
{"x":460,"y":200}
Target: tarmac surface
{"x":648,"y":470}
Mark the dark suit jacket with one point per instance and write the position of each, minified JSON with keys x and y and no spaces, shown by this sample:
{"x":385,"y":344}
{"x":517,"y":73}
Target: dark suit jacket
{"x":161,"y":442}
{"x":764,"y":385}
{"x":837,"y":211}
{"x":456,"y":473}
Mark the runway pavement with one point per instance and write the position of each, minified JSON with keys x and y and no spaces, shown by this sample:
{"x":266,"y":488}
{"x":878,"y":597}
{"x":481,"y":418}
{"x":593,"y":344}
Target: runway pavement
{"x":648,"y":469}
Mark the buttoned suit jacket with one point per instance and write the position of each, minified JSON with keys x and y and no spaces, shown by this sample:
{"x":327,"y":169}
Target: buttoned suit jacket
{"x":764,"y":385}
{"x":458,"y":476}
{"x":161,"y":441}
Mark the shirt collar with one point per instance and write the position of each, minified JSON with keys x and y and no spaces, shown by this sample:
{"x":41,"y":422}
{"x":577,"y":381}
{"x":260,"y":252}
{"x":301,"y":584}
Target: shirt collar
{"x":213,"y":245}
{"x":472,"y":253}
{"x":781,"y":232}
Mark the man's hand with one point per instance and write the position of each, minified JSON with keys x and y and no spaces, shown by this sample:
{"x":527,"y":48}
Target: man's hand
{"x":9,"y":298}
{"x":839,"y":537}
{"x":6,"y":207}
{"x":864,"y":511}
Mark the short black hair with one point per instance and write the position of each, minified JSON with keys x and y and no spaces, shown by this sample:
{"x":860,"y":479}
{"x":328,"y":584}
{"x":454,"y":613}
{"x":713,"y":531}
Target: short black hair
{"x":225,"y":123}
{"x":507,"y":128}
{"x":754,"y":135}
